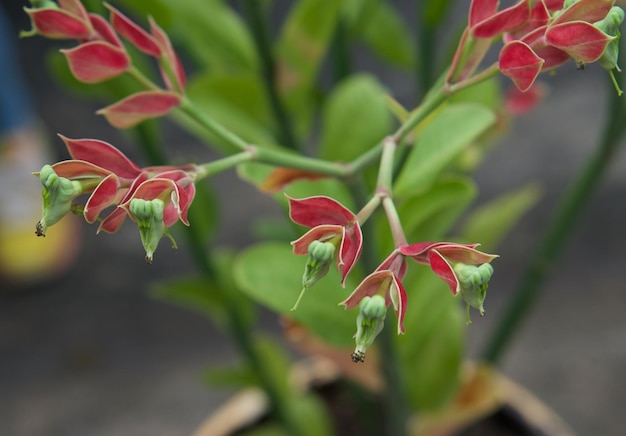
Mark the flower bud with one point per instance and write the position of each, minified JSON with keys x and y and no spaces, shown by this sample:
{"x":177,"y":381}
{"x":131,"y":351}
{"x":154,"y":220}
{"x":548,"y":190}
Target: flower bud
{"x":474,"y":281}
{"x":317,"y":264}
{"x":369,"y":324}
{"x":58,"y":193}
{"x":610,"y":25}
{"x":149,"y":214}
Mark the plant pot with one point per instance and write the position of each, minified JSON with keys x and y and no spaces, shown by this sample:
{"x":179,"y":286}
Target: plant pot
{"x":487,"y":404}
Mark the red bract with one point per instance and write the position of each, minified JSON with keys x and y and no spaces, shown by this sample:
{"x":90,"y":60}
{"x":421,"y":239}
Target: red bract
{"x":520,"y":63}
{"x":139,"y":107}
{"x":386,"y":281}
{"x":329,"y":221}
{"x":485,"y":21}
{"x":135,"y":34}
{"x":438,"y":256}
{"x":69,"y":21}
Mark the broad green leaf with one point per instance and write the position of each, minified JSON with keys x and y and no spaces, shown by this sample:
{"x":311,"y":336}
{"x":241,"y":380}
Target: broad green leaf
{"x":355,"y":118}
{"x":271,"y":274}
{"x":447,"y":134}
{"x":386,"y":34}
{"x":492,"y":221}
{"x":431,"y":350}
{"x":209,"y":29}
{"x":487,"y":93}
{"x":210,"y":297}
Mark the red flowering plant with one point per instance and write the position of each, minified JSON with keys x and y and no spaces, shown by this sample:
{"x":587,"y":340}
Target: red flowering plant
{"x":377,"y":202}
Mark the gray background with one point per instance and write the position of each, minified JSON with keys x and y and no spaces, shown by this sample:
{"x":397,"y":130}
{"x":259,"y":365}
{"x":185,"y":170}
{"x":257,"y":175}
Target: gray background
{"x":91,"y":353}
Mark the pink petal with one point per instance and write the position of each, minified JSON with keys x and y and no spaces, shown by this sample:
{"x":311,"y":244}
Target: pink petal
{"x":116,"y":218}
{"x":75,"y":7}
{"x":369,"y":286}
{"x":79,"y":169}
{"x":350,"y":250}
{"x":553,"y":5}
{"x":318,"y":210}
{"x":279,"y":178}
{"x":401,"y":299}
{"x":396,"y":263}
{"x":442,"y":268}
{"x":504,"y":21}
{"x":465,"y":254}
{"x":480,"y":10}
{"x":102,"y":154}
{"x":318,"y":233}
{"x":184,"y":192}
{"x":582,"y":41}
{"x":552,"y":56}
{"x":520,"y":63}
{"x":104,"y":30}
{"x":139,"y":107}
{"x":170,"y":57}
{"x":585,"y":10}
{"x":106,"y":194}
{"x":153,"y":188}
{"x":58,"y":24}
{"x":97,"y":61}
{"x":132,"y":32}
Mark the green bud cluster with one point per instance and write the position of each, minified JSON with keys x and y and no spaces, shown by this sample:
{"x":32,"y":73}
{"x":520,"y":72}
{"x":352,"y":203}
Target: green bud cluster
{"x":58,"y":194}
{"x":474,"y":282}
{"x":149,"y":214}
{"x":321,"y":255}
{"x":369,"y":324}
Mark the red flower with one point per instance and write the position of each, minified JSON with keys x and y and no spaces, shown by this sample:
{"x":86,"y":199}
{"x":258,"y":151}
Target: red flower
{"x":329,"y":221}
{"x":439,"y":255}
{"x":386,"y":281}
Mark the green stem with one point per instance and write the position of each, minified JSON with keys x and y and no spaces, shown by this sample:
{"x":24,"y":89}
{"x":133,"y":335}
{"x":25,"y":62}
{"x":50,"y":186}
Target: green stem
{"x":223,"y":164}
{"x":399,"y":239}
{"x":258,"y":26}
{"x":558,"y":232}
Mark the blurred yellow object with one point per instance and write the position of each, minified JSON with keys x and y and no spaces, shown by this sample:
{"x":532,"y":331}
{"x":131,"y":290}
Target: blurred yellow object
{"x":25,"y":259}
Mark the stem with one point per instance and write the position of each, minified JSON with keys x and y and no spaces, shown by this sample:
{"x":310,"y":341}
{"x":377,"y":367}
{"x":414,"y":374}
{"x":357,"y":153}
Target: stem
{"x":225,"y":163}
{"x":558,"y":232}
{"x":258,"y":26}
{"x":399,"y":239}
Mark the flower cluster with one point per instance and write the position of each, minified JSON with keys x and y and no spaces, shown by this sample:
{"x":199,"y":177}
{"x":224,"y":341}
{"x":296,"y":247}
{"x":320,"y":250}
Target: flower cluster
{"x":461,"y":266}
{"x":154,"y":197}
{"x":539,"y":36}
{"x":100,"y":55}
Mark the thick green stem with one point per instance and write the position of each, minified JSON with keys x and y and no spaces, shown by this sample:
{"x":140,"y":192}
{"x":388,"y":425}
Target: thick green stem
{"x":258,"y":26}
{"x":557,"y":234}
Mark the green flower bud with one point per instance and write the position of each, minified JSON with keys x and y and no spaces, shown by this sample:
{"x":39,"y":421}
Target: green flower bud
{"x":474,"y":281}
{"x":610,"y":25}
{"x":58,"y":194}
{"x":317,"y":265}
{"x":149,"y":214}
{"x":369,"y":324}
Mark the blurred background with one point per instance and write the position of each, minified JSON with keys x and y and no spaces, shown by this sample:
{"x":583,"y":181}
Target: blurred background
{"x":88,"y":351}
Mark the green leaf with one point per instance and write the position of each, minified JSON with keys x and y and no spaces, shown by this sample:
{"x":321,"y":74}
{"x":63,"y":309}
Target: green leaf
{"x":447,"y":134}
{"x":355,"y":118}
{"x":431,"y":351}
{"x":492,"y":221}
{"x":271,"y":274}
{"x":385,"y":33}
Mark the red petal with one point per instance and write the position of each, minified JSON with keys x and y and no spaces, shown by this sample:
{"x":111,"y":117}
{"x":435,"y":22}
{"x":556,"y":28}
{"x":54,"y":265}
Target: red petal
{"x":115,"y":219}
{"x":369,"y":286}
{"x":520,"y":63}
{"x":582,"y":41}
{"x":552,"y":56}
{"x":319,"y":233}
{"x":318,"y":210}
{"x":585,"y":10}
{"x":58,"y":24}
{"x":281,"y":177}
{"x":97,"y":61}
{"x":350,"y":250}
{"x":132,"y":32}
{"x":139,"y":107}
{"x":518,"y":102}
{"x":79,"y":169}
{"x":504,"y":21}
{"x":106,"y":194}
{"x":481,"y":10}
{"x":170,"y":57}
{"x":442,"y":268}
{"x":102,"y":154}
{"x":396,"y":263}
{"x":185,"y":192}
{"x":553,"y":5}
{"x":465,"y":254}
{"x":401,"y":298}
{"x":104,"y":30}
{"x":75,"y":7}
